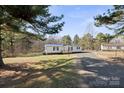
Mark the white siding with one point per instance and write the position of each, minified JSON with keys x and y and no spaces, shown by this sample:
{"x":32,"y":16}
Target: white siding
{"x":104,"y":47}
{"x":61,"y":49}
{"x":122,"y":47}
{"x":53,"y":49}
{"x":108,"y":48}
{"x":112,"y":47}
{"x":67,"y":49}
{"x":76,"y":49}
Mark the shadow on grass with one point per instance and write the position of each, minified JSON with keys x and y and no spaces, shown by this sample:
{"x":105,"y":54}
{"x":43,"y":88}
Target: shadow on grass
{"x":104,"y":73}
{"x":51,"y":73}
{"x":61,"y":74}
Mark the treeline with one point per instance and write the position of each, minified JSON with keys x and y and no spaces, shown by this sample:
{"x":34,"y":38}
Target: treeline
{"x":87,"y":41}
{"x":17,"y":44}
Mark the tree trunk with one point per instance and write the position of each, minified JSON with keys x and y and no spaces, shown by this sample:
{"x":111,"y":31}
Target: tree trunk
{"x":1,"y":60}
{"x":12,"y":46}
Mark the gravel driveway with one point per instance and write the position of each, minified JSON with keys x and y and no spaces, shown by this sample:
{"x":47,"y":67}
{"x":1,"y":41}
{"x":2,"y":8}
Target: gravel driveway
{"x":96,"y":72}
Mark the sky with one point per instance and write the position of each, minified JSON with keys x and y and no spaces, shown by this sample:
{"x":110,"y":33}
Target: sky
{"x":79,"y":19}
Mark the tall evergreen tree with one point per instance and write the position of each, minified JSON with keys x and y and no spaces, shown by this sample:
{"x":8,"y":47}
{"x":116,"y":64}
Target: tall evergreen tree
{"x":26,"y":44}
{"x":76,"y":40}
{"x":66,"y":40}
{"x":32,"y":20}
{"x":87,"y":41}
{"x":112,"y":19}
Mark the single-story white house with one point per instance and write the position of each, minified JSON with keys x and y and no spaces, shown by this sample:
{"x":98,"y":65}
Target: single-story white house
{"x":112,"y":47}
{"x":53,"y":48}
{"x":60,"y":48}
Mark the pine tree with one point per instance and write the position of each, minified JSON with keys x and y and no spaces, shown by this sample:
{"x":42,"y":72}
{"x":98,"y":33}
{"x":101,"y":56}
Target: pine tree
{"x":113,"y":19}
{"x":66,"y":40}
{"x":76,"y":40}
{"x":32,"y":20}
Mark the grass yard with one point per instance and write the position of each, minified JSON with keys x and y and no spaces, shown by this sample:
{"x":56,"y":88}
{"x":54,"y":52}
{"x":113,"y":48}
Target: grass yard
{"x":37,"y":58}
{"x":39,"y":71}
{"x":112,"y":55}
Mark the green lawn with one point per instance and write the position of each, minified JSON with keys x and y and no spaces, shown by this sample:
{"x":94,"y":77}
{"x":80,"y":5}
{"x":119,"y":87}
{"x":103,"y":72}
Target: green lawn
{"x":38,"y":58}
{"x":41,"y":71}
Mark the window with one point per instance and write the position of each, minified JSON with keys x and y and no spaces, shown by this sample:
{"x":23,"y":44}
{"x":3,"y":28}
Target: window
{"x":68,"y":48}
{"x":77,"y":47}
{"x":53,"y":48}
{"x":57,"y":48}
{"x":118,"y":47}
{"x":71,"y":48}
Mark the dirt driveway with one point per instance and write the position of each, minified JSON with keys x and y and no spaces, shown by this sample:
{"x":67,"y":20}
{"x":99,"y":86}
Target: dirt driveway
{"x":96,"y":72}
